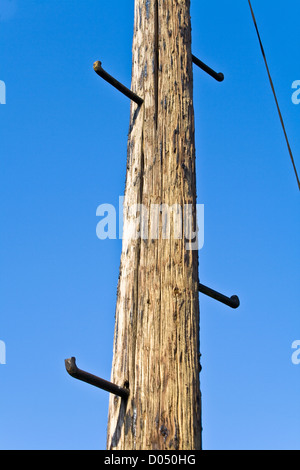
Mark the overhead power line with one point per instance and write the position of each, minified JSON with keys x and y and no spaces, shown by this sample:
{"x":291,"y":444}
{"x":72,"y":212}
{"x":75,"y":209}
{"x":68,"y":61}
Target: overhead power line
{"x":275,"y":96}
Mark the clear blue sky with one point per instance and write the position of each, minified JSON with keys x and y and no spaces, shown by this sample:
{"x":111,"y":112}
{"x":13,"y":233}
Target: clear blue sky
{"x":63,"y":137}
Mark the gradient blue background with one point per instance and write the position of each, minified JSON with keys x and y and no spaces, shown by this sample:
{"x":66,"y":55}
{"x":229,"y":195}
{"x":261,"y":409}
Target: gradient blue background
{"x":63,"y":137}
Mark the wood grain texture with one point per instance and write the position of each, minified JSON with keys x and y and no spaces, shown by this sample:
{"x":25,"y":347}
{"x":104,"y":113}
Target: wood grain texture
{"x":156,"y":344}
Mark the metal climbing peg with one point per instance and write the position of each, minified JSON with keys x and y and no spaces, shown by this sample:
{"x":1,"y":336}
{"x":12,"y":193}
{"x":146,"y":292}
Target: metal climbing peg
{"x":233,"y":302}
{"x":119,"y":86}
{"x":79,"y":374}
{"x":217,"y":76}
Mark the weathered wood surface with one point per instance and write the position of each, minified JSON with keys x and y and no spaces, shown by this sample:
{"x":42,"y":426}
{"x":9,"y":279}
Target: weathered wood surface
{"x":156,"y":344}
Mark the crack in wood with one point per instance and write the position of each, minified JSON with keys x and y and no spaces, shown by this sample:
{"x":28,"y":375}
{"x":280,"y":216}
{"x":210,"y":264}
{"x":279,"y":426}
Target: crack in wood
{"x":156,"y":59}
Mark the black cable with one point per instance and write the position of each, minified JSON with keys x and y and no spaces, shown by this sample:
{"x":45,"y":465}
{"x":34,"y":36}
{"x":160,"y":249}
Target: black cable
{"x":274,"y":93}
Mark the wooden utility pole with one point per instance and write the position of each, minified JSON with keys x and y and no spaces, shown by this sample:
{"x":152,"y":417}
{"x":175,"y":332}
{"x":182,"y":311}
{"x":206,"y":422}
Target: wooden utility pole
{"x":156,"y":344}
